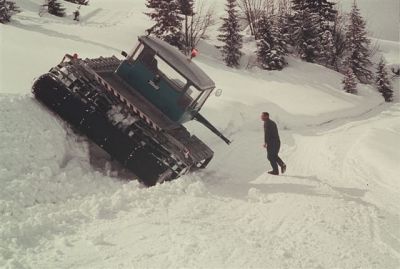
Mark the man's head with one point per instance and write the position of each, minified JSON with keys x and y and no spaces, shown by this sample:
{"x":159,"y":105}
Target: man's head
{"x":265,"y":116}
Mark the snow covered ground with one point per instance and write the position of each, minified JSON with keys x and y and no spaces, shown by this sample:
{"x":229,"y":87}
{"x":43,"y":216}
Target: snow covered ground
{"x":63,"y":205}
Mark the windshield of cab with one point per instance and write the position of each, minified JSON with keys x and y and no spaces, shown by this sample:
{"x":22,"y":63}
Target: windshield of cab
{"x":198,"y":97}
{"x":170,"y":73}
{"x":158,"y":66}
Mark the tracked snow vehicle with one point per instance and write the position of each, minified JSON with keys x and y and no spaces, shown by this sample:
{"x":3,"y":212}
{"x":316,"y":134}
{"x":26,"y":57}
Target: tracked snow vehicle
{"x":134,"y":108}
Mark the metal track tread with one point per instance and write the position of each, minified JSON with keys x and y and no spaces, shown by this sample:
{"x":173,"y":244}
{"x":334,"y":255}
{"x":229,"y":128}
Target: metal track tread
{"x":131,"y":151}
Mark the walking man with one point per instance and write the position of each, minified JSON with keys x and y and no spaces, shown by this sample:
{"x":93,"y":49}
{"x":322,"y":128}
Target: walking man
{"x":76,"y":14}
{"x":272,"y":144}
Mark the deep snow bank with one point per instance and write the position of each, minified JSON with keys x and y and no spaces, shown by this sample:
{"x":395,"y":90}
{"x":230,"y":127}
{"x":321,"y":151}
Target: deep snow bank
{"x":60,"y":210}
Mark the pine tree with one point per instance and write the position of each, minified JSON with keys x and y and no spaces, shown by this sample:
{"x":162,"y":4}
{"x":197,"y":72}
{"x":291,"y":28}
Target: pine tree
{"x":168,"y":22}
{"x":310,"y":22}
{"x":283,"y":23}
{"x":350,"y":82}
{"x":305,"y":33}
{"x":339,"y":41}
{"x":79,"y":2}
{"x":55,"y":8}
{"x":7,"y":9}
{"x":328,"y":50}
{"x":230,"y":35}
{"x":325,"y":10}
{"x":358,"y":46}
{"x":327,"y":15}
{"x":186,"y":9}
{"x":270,"y":46}
{"x":383,"y":83}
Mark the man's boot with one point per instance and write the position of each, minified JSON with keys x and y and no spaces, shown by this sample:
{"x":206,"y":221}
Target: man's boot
{"x":283,"y":168}
{"x":273,"y":173}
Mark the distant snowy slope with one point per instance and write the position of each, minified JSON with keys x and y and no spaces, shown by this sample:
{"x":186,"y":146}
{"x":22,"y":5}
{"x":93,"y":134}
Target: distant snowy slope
{"x":390,"y":50}
{"x":382,"y":16}
{"x":40,"y":42}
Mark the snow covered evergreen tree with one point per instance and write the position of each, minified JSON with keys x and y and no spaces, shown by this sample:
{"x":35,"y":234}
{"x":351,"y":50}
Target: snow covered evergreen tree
{"x":311,"y":21}
{"x":305,"y":32}
{"x":4,"y":13}
{"x":395,"y":71}
{"x":324,"y":8}
{"x":186,"y":9}
{"x":383,"y":83}
{"x":270,"y":46}
{"x":350,"y":82}
{"x":79,"y":2}
{"x":328,"y":49}
{"x":283,"y":22}
{"x":168,"y":21}
{"x":55,"y":8}
{"x":339,"y":41}
{"x":7,"y":9}
{"x":358,"y":46}
{"x":326,"y":11}
{"x":230,"y":35}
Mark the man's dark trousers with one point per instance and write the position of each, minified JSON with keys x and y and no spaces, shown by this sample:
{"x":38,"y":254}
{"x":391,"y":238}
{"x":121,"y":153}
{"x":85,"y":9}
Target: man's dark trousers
{"x":272,"y":155}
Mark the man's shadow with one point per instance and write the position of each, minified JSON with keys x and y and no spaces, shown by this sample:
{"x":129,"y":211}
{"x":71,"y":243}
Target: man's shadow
{"x":241,"y":190}
{"x":353,"y":192}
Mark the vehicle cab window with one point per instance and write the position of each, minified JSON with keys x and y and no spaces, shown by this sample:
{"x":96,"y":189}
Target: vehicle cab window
{"x":193,"y":93}
{"x":197,"y":97}
{"x":202,"y":98}
{"x":135,"y":54}
{"x":170,"y":73}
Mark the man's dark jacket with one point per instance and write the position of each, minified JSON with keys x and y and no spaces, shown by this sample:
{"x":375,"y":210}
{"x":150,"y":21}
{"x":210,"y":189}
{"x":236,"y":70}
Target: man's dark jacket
{"x":271,"y":136}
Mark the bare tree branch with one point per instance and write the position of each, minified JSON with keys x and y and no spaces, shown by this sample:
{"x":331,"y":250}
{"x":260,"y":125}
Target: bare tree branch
{"x":197,"y":24}
{"x":254,"y":10}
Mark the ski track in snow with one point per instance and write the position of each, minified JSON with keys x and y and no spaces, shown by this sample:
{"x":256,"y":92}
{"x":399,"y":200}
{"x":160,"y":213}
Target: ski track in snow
{"x":65,"y":205}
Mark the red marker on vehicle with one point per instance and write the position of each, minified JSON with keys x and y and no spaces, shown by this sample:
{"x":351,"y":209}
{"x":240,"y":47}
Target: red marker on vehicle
{"x":194,"y":53}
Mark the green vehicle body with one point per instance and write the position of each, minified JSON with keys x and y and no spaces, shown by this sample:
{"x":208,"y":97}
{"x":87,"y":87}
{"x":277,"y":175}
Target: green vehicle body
{"x":160,"y":74}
